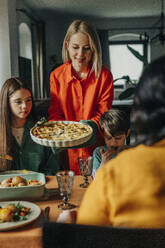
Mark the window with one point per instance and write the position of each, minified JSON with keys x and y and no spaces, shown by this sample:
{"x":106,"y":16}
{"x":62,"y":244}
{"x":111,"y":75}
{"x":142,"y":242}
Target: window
{"x":25,"y":54}
{"x":128,"y":55}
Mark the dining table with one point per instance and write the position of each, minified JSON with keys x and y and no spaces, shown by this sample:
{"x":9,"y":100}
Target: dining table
{"x":30,"y":235}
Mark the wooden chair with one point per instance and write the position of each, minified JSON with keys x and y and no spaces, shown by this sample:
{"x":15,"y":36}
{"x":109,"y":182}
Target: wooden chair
{"x":60,"y":235}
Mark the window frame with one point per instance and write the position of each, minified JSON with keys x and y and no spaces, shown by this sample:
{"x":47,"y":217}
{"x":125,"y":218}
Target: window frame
{"x":133,"y":40}
{"x":143,"y":42}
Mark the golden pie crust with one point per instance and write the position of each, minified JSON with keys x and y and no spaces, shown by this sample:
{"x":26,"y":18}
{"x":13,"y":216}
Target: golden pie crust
{"x":61,"y":130}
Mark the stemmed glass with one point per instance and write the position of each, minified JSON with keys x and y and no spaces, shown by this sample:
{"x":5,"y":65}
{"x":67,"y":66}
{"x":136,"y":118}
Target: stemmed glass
{"x":86,"y":166}
{"x":65,"y":183}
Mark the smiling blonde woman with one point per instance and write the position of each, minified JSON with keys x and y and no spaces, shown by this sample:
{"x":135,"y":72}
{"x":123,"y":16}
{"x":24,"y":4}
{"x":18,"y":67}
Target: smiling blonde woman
{"x":82,"y":88}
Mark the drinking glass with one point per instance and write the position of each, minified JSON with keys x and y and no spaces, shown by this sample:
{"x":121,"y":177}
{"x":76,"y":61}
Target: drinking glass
{"x":65,"y":183}
{"x":86,"y":166}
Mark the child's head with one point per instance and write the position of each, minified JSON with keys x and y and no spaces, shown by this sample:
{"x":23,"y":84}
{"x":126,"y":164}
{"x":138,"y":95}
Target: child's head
{"x":11,"y":102}
{"x":15,"y":92}
{"x":115,"y":126}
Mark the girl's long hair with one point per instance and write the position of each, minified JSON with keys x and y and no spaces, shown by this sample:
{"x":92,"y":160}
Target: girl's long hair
{"x":94,"y":41}
{"x":6,"y":140}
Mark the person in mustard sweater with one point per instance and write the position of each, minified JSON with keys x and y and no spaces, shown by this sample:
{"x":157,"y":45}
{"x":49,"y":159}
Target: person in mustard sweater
{"x":129,"y":190}
{"x":81,"y":88}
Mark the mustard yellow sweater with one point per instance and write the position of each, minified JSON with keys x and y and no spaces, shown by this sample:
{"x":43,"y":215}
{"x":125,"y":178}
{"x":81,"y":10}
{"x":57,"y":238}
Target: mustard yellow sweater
{"x":128,"y":191}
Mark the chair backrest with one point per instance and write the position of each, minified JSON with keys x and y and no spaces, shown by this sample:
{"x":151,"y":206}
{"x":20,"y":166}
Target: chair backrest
{"x":60,"y":235}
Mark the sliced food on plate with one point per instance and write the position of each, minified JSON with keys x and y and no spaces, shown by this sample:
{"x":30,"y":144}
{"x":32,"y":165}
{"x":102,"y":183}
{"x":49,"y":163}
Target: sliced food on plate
{"x":14,"y":214}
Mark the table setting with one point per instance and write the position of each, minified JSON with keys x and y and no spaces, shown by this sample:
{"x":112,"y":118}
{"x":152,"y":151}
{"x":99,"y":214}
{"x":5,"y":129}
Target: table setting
{"x":29,"y":233}
{"x":46,"y":197}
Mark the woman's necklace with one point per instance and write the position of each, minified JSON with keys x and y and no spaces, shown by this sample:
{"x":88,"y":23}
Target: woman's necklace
{"x":83,"y":75}
{"x":79,"y":73}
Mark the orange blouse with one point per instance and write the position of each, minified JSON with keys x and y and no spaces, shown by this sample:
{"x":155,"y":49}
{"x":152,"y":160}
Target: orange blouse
{"x":74,"y":100}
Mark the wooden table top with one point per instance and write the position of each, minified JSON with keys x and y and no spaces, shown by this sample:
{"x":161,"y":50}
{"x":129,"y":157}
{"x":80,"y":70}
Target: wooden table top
{"x":31,"y":234}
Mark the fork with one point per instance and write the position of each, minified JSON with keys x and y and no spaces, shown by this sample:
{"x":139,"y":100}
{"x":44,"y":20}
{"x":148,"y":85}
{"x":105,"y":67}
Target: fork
{"x":46,"y":213}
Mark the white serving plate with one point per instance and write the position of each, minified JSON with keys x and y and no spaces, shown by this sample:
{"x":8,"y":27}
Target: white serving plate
{"x":23,"y":192}
{"x":62,"y":143}
{"x":35,"y":212}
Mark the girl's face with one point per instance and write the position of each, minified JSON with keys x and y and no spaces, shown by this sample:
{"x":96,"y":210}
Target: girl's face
{"x":79,"y":51}
{"x":114,"y":143}
{"x":20,"y":103}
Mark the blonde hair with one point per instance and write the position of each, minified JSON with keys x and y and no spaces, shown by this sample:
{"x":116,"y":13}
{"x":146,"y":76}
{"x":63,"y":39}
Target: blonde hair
{"x":94,"y":42}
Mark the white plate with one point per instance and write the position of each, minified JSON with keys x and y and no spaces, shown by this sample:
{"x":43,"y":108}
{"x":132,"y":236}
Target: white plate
{"x":62,"y":143}
{"x":35,"y":212}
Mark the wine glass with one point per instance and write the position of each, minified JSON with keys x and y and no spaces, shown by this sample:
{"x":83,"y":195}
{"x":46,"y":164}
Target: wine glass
{"x":65,"y":183}
{"x":86,"y":166}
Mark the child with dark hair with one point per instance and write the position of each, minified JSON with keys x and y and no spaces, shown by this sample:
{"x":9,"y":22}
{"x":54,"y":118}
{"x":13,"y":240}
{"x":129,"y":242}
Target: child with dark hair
{"x":115,"y":127}
{"x":17,"y":149}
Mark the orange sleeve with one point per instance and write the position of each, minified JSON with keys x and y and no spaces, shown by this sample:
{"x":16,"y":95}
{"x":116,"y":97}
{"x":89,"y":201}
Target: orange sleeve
{"x":55,"y":110}
{"x":104,"y":102}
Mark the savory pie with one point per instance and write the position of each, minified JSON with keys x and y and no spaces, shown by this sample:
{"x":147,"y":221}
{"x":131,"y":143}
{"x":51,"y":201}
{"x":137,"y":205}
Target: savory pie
{"x":61,"y":130}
